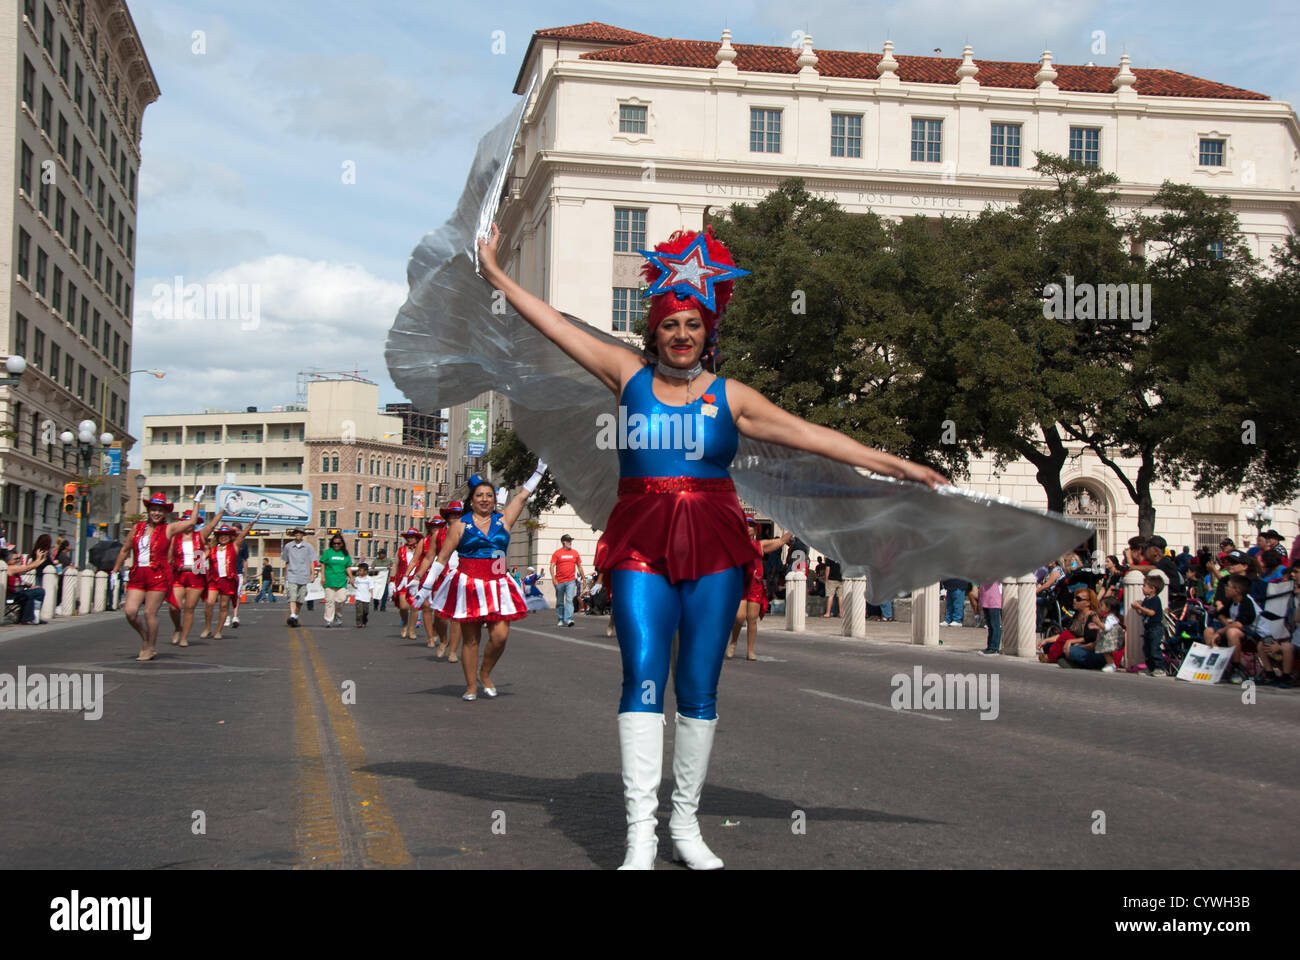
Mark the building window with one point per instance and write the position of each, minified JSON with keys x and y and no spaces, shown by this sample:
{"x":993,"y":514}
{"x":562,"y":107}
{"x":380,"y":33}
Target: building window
{"x":324,"y":491}
{"x":20,"y":336}
{"x":1085,"y":145}
{"x":77,"y":78}
{"x":93,"y":399}
{"x":24,"y":254}
{"x":764,"y":131}
{"x":99,"y":264}
{"x":74,"y":225}
{"x":38,"y":349}
{"x":47,"y":110}
{"x":42,"y":262}
{"x":85,"y":245}
{"x":629,"y":230}
{"x":47,"y":32}
{"x":43,"y":198}
{"x":200,"y":436}
{"x":67,"y":372}
{"x":29,"y":84}
{"x":60,"y":210}
{"x":358,"y":491}
{"x":357,"y":521}
{"x":927,"y":140}
{"x":628,"y":308}
{"x":76,"y":164}
{"x":99,"y":201}
{"x":56,"y":290}
{"x":1004,"y":145}
{"x":846,"y":135}
{"x":1216,"y":250}
{"x":81,"y":381}
{"x":324,"y":464}
{"x":1212,"y":152}
{"x":334,"y":518}
{"x":25,"y":169}
{"x":62,"y":139}
{"x":334,"y":465}
{"x":324,"y":520}
{"x":55,"y":356}
{"x":64,"y":52}
{"x":631,"y":119}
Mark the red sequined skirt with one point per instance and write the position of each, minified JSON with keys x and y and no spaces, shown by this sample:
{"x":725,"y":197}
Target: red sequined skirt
{"x":682,"y":528}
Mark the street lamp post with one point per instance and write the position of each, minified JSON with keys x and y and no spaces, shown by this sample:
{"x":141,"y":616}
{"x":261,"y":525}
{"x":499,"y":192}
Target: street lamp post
{"x":85,"y":439}
{"x":1260,"y":516}
{"x":204,"y":464}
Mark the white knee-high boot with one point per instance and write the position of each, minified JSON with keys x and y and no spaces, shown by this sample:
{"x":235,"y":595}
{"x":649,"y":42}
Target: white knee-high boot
{"x":641,"y":743}
{"x":691,"y":748}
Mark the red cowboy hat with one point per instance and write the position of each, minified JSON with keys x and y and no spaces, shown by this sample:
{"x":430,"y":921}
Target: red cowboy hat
{"x":226,"y":529}
{"x":158,"y":502}
{"x":411,"y":533}
{"x":452,"y":509}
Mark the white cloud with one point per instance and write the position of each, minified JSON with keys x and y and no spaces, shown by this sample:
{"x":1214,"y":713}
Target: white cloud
{"x":311,"y":314}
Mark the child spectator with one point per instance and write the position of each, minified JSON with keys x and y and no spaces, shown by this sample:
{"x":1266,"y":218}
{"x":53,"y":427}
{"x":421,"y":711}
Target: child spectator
{"x":1239,"y":622}
{"x":361,"y":594}
{"x":1153,"y":626}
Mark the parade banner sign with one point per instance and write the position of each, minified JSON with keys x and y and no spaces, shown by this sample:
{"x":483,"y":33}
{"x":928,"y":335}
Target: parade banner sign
{"x":417,"y":502}
{"x":477,"y":431}
{"x":281,"y":508}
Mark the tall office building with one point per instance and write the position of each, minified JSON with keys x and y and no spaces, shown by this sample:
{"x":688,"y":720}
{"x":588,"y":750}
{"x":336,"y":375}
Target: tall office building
{"x":79,"y":84}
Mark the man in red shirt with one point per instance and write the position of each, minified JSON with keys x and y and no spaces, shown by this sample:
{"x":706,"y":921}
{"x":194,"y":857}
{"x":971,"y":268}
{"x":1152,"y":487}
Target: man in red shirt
{"x":566,"y":572}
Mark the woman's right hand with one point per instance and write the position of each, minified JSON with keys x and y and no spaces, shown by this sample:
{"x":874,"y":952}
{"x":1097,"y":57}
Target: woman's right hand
{"x":41,"y":555}
{"x":487,"y":248}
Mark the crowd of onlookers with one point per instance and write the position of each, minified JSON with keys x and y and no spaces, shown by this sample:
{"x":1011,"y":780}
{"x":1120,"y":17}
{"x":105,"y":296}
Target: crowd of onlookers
{"x":1241,"y":601}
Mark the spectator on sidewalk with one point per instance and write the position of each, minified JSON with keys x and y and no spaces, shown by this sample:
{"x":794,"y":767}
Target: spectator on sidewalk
{"x":30,"y":597}
{"x":989,"y":601}
{"x":834,"y":586}
{"x":1056,"y":646}
{"x":1100,"y":652}
{"x":361,"y":594}
{"x":1153,"y":627}
{"x":566,"y":571}
{"x":955,"y":611}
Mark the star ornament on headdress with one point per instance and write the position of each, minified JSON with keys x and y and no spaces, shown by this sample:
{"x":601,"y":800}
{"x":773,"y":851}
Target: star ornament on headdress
{"x":690,"y":273}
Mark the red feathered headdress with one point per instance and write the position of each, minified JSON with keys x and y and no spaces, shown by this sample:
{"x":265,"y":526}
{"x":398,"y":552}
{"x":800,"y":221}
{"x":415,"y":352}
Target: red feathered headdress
{"x":672,"y":301}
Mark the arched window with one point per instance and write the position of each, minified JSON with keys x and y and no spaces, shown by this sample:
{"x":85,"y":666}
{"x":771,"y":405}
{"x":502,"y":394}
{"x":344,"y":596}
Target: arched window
{"x":1090,"y":503}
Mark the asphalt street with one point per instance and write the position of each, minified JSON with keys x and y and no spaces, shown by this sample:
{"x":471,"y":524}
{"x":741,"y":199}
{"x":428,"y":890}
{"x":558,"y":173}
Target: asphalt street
{"x":282,"y":747}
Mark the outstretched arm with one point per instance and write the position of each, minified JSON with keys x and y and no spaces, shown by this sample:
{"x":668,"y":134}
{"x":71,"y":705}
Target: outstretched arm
{"x":760,"y":418}
{"x":239,"y":538}
{"x":609,"y":364}
{"x":513,"y":508}
{"x":770,"y":545}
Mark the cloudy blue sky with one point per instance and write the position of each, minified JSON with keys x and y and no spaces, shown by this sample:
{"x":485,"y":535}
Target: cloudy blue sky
{"x":244,"y":154}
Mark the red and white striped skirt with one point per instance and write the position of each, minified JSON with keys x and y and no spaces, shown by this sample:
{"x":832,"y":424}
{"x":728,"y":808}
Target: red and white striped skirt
{"x":474,"y":591}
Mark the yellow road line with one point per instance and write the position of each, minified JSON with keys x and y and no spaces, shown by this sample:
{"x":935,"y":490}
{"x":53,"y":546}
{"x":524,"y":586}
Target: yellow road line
{"x":382,"y":844}
{"x":315,"y":829}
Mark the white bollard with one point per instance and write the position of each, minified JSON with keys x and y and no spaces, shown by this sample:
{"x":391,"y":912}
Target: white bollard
{"x":1133,"y":627}
{"x":85,"y":591}
{"x":853,"y":607}
{"x":1019,"y":617}
{"x":100,"y":596}
{"x":796,"y":600}
{"x":4,"y":587}
{"x":50,"y":582}
{"x":68,"y":605}
{"x":925,"y":615}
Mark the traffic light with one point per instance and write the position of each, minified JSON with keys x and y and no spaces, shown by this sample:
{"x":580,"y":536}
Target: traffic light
{"x":69,"y":498}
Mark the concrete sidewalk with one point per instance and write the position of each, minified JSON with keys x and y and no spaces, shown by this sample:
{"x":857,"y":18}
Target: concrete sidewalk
{"x":950,"y":638}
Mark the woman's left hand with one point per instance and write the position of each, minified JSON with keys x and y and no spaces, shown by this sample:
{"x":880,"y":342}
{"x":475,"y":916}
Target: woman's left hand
{"x":922,"y":474}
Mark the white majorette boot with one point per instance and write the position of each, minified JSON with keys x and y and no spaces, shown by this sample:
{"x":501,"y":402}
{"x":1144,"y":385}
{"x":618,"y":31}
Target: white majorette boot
{"x":691,"y":749}
{"x":641,"y":743}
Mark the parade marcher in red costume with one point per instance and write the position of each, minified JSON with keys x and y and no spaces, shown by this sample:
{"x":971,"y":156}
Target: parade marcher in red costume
{"x":150,"y":579}
{"x":189,"y":562}
{"x":408,"y":558}
{"x":448,"y":630}
{"x":223,"y":576}
{"x":479,"y":589}
{"x":675,"y":549}
{"x":753,"y":605}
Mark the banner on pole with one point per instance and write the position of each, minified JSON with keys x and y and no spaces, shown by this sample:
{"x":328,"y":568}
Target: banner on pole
{"x":417,"y":502}
{"x":477,"y":430}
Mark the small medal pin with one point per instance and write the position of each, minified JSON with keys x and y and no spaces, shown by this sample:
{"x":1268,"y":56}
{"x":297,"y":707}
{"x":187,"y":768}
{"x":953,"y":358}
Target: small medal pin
{"x":709,"y":410}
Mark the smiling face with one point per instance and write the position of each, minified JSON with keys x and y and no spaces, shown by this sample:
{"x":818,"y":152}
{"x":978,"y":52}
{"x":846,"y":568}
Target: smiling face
{"x":679,"y":339}
{"x":484,"y":499}
{"x":157,"y":515}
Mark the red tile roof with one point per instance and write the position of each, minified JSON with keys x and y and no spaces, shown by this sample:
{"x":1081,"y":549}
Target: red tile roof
{"x":594,"y":32}
{"x":844,"y":63}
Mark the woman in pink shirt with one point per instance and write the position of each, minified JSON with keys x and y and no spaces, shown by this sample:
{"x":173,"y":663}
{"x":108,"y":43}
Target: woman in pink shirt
{"x":990,"y":599}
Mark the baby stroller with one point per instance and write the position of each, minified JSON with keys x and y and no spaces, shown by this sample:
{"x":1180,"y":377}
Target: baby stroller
{"x":1183,"y":627}
{"x":598,"y":603}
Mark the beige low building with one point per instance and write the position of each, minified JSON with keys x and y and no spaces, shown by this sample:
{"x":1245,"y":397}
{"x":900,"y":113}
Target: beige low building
{"x":339,"y":445}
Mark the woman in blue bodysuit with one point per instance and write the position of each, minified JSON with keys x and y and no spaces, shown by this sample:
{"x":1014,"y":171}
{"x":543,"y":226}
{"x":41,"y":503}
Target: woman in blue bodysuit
{"x":676,"y":546}
{"x":478,"y":590}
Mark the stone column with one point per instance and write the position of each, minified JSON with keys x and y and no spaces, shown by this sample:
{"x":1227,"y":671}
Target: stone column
{"x":796,"y":600}
{"x":69,"y":605}
{"x":50,"y":582}
{"x":85,"y":590}
{"x":925,"y":615}
{"x":1019,"y":616}
{"x":100,"y":595}
{"x":853,"y":607}
{"x":1133,"y":654}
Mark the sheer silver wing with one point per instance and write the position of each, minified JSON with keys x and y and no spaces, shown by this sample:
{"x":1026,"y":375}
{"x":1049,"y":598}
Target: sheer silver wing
{"x":453,"y":339}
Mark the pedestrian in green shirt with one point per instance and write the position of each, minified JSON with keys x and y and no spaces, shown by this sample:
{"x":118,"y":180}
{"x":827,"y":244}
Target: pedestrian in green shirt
{"x":336,"y":563}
